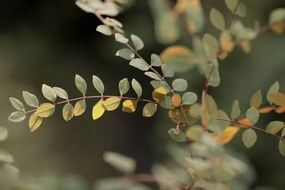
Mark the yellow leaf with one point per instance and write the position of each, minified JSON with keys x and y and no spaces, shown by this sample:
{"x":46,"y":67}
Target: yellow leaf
{"x":111,"y":104}
{"x":129,"y":106}
{"x":226,"y":41}
{"x":159,"y":93}
{"x":245,"y":45}
{"x":229,"y":133}
{"x":176,"y":100}
{"x":174,"y":51}
{"x":98,"y":110}
{"x":45,"y":110}
{"x":278,"y":27}
{"x":34,"y":122}
{"x":223,"y":55}
{"x":79,"y":108}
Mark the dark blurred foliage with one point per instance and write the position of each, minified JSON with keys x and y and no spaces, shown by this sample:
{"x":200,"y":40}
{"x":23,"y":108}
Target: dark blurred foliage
{"x":51,"y":41}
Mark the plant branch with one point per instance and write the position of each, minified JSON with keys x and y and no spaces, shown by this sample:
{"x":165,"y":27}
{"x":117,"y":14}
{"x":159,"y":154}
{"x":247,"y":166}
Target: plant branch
{"x":232,"y":15}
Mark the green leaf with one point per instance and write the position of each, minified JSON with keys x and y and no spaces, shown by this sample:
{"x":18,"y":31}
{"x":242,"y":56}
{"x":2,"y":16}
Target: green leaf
{"x":103,"y":29}
{"x":176,"y":135}
{"x":167,"y":71}
{"x":274,"y":88}
{"x":235,"y":110}
{"x":277,"y":98}
{"x":48,"y":93}
{"x":189,"y":98}
{"x":282,"y":147}
{"x":121,"y":162}
{"x":35,"y":122}
{"x":212,"y":109}
{"x":5,"y":157}
{"x":45,"y":110}
{"x":213,"y":75}
{"x":60,"y":92}
{"x":17,"y":104}
{"x":274,"y":127}
{"x":139,"y":64}
{"x":81,"y":84}
{"x":67,"y":111}
{"x":157,"y":84}
{"x":252,"y":115}
{"x":149,"y":109}
{"x":194,"y":133}
{"x":152,"y":75}
{"x":137,"y":87}
{"x":79,"y":107}
{"x":217,"y":19}
{"x":124,"y":86}
{"x":17,"y":116}
{"x":125,"y":53}
{"x":240,"y":10}
{"x":211,"y":42}
{"x":179,"y":85}
{"x":249,"y":138}
{"x":30,"y":99}
{"x":121,"y":39}
{"x":111,"y":103}
{"x":166,"y":103}
{"x":256,"y":99}
{"x":98,"y":84}
{"x":155,"y":60}
{"x":3,"y":134}
{"x":277,"y":15}
{"x":138,"y":43}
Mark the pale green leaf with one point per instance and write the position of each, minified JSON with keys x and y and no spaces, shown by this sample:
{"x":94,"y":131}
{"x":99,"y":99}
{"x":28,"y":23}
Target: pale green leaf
{"x":124,"y":86}
{"x":79,"y":107}
{"x":17,"y":104}
{"x":235,"y":110}
{"x":30,"y":99}
{"x":121,"y":162}
{"x":252,"y":115}
{"x":103,"y":29}
{"x":167,"y":71}
{"x":194,"y":133}
{"x":152,"y":75}
{"x":121,"y":38}
{"x":139,"y":64}
{"x":281,"y":147}
{"x":211,"y":42}
{"x":125,"y":53}
{"x":67,"y":112}
{"x":240,"y":10}
{"x":189,"y":98}
{"x":213,"y":75}
{"x":179,"y":85}
{"x":274,"y":88}
{"x":111,"y":103}
{"x":157,"y":84}
{"x":17,"y":116}
{"x":60,"y":92}
{"x":176,"y":135}
{"x":155,"y":60}
{"x":3,"y":134}
{"x":48,"y":93}
{"x":45,"y":110}
{"x":249,"y":138}
{"x":217,"y":19}
{"x":274,"y":127}
{"x":5,"y":157}
{"x":256,"y":99}
{"x":138,"y":43}
{"x":277,"y":15}
{"x":166,"y":103}
{"x":137,"y":87}
{"x":149,"y":109}
{"x":81,"y":84}
{"x":98,"y":84}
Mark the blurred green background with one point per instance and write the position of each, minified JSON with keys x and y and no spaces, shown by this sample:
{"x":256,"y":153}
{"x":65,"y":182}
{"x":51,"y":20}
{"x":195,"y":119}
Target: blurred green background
{"x":51,"y":41}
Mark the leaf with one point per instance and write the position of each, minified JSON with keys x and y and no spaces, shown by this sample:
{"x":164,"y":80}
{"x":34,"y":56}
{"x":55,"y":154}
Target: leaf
{"x":159,"y":93}
{"x":277,"y":98}
{"x":111,"y":103}
{"x":5,"y":157}
{"x":139,"y":64}
{"x":60,"y":92}
{"x":274,"y":88}
{"x":17,"y":116}
{"x":103,"y":29}
{"x":189,"y":98}
{"x":137,"y":87}
{"x":213,"y":75}
{"x":45,"y":110}
{"x":67,"y":112}
{"x":176,"y":100}
{"x":274,"y":127}
{"x":125,"y":53}
{"x":166,"y":102}
{"x":121,"y":39}
{"x":124,"y":86}
{"x":235,"y":110}
{"x":281,"y":148}
{"x":17,"y":104}
{"x":277,"y":20}
{"x":228,"y":134}
{"x":211,"y":42}
{"x":157,"y":84}
{"x":249,"y":138}
{"x":226,"y":41}
{"x":121,"y":162}
{"x":217,"y":19}
{"x":152,"y":75}
{"x":79,"y":107}
{"x":98,"y":110}
{"x":252,"y":115}
{"x":179,"y":85}
{"x":138,"y":43}
{"x":256,"y":99}
{"x":3,"y":134}
{"x":176,"y":135}
{"x":155,"y":60}
{"x":81,"y":84}
{"x":167,"y":71}
{"x":194,"y":133}
{"x":129,"y":106}
{"x":240,"y":10}
{"x":35,"y":122}
{"x":149,"y":109}
{"x":98,"y":84}
{"x":48,"y":93}
{"x":30,"y":99}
